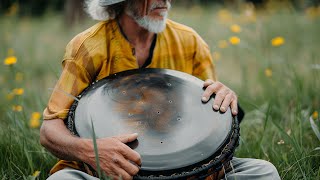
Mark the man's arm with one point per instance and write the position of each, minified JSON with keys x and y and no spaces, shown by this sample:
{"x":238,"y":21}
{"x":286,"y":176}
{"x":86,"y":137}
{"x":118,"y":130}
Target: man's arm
{"x":114,"y":154}
{"x":60,"y":142}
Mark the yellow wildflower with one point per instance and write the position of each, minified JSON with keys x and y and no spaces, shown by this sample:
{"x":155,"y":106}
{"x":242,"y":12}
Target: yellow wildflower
{"x":268,"y":72}
{"x":277,"y":41}
{"x":35,"y":120}
{"x":223,"y":44}
{"x":18,"y":91}
{"x":36,"y":174}
{"x":10,"y":60}
{"x":216,"y":56}
{"x":34,"y":123}
{"x":234,"y":40}
{"x":235,"y":28}
{"x":36,"y":115}
{"x":19,"y":76}
{"x":315,"y":115}
{"x":17,"y":108}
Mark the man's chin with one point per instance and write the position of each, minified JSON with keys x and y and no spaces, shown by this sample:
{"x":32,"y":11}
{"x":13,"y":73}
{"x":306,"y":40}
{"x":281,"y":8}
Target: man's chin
{"x":152,"y":24}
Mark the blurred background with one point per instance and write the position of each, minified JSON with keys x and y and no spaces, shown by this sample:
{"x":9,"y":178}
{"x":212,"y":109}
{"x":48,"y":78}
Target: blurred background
{"x":73,"y":9}
{"x":267,"y":51}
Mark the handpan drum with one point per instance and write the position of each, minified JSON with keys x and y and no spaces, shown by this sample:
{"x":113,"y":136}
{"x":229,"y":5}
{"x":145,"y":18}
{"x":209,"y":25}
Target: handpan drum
{"x":179,"y":135}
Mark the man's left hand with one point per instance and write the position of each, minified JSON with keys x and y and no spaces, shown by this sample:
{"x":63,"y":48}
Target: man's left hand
{"x":224,"y":98}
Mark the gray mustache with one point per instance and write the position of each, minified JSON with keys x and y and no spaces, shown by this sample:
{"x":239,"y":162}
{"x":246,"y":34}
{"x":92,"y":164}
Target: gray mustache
{"x":155,"y":5}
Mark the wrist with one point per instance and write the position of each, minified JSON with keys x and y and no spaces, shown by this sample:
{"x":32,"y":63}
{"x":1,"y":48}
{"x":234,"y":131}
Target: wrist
{"x":84,"y":149}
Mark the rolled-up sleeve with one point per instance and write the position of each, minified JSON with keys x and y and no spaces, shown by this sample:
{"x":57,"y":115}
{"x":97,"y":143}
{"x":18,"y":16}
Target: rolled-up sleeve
{"x":203,"y":66}
{"x":73,"y":80}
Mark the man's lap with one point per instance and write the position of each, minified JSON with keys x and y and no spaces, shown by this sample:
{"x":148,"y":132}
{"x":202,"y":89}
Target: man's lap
{"x":247,"y":169}
{"x":243,"y":169}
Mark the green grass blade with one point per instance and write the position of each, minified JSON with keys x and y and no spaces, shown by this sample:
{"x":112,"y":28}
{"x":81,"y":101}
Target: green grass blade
{"x":96,"y":150}
{"x":292,"y":140}
{"x":101,"y":174}
{"x":266,"y":122}
{"x":29,"y":159}
{"x":315,"y":128}
{"x":302,"y":172}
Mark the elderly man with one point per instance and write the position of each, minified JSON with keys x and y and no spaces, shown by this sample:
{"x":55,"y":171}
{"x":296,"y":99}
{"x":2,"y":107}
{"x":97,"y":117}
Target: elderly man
{"x":132,"y":34}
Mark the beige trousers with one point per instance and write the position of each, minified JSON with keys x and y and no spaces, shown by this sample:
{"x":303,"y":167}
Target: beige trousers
{"x":243,"y":169}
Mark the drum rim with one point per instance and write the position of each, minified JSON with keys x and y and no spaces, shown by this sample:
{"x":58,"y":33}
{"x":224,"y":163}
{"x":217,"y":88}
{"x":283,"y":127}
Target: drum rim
{"x":215,"y":162}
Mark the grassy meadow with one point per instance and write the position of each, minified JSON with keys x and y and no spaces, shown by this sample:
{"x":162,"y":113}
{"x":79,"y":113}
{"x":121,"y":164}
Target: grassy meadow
{"x":270,"y":57}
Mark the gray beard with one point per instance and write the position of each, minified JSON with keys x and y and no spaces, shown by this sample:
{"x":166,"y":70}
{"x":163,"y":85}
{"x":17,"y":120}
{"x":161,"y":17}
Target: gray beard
{"x":152,"y":25}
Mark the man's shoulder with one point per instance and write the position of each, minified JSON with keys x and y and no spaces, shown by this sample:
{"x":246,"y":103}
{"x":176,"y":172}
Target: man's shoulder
{"x":93,"y":30}
{"x":180,"y":28}
{"x":90,"y":37}
{"x":183,"y":32}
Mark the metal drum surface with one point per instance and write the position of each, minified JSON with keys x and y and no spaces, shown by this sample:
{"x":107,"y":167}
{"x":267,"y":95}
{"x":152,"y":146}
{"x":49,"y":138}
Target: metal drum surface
{"x":176,"y":130}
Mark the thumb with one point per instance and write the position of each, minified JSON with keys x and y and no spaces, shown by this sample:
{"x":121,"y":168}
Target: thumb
{"x":125,"y":138}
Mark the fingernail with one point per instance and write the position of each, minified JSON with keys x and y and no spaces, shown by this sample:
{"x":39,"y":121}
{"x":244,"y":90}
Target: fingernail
{"x":204,"y":98}
{"x":216,"y":107}
{"x":136,"y":134}
{"x":235,"y":112}
{"x":223,"y":109}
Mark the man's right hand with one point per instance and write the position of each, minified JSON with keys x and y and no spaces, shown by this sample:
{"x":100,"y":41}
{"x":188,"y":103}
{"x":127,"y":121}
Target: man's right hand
{"x":116,"y":158}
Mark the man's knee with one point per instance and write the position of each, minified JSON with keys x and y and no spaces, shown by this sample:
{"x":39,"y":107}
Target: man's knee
{"x":247,"y":168}
{"x":57,"y":175}
{"x":268,"y":167}
{"x":71,"y":174}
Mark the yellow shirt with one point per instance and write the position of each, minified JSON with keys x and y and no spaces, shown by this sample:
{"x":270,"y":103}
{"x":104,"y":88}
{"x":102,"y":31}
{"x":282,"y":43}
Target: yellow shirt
{"x":103,"y":50}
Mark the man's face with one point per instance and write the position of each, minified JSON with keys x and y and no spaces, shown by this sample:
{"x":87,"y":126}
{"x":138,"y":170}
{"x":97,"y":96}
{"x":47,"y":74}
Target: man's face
{"x":149,"y":14}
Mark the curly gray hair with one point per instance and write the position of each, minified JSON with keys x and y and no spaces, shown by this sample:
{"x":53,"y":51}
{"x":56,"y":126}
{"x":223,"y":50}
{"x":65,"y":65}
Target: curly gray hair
{"x":103,"y":13}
